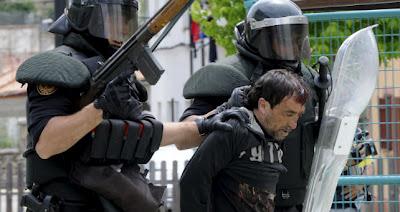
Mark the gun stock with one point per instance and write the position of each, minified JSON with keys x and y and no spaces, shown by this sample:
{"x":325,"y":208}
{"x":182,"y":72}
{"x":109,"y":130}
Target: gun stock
{"x":170,"y":10}
{"x":135,"y":52}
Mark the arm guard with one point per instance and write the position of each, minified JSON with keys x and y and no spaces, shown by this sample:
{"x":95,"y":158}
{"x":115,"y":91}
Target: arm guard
{"x":121,"y":141}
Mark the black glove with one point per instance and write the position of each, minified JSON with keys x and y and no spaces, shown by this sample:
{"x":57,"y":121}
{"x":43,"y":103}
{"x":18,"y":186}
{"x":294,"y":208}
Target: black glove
{"x":217,"y":122}
{"x":138,"y":91}
{"x":238,"y":99}
{"x":118,"y":99}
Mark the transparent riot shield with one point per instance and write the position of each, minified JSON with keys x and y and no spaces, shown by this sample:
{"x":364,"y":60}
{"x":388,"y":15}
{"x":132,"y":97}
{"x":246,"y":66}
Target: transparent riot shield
{"x":354,"y":77}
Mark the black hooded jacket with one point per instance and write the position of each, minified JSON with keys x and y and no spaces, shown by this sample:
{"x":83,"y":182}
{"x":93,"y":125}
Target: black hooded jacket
{"x":233,"y":171}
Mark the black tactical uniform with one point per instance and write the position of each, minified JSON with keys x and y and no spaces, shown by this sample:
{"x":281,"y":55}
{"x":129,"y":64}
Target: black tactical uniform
{"x":56,"y":79}
{"x":274,"y":35}
{"x":50,"y":177}
{"x":46,"y":100}
{"x":233,"y":171}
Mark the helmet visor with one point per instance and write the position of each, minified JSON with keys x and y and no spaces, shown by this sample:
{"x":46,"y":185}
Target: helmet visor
{"x":281,"y":38}
{"x":113,"y":21}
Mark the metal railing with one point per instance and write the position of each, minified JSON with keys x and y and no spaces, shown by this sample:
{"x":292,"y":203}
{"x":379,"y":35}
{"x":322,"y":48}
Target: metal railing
{"x":382,"y":116}
{"x":13,"y":172}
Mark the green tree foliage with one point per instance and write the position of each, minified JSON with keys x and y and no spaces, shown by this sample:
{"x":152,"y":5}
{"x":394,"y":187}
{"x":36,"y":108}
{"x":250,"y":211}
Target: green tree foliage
{"x":218,"y":20}
{"x":325,"y":37}
{"x":22,"y":6}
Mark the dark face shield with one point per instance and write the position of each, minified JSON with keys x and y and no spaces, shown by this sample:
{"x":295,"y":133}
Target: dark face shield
{"x":280,"y":38}
{"x":115,"y":20}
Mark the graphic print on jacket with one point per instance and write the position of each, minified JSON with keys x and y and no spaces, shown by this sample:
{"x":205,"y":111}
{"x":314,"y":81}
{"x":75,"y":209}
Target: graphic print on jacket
{"x":256,"y":198}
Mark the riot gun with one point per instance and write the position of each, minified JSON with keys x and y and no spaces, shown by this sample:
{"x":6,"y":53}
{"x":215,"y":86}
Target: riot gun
{"x":135,"y":52}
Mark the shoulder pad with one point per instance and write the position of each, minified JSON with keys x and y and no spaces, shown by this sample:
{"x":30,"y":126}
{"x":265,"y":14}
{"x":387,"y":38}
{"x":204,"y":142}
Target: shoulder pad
{"x":215,"y":79}
{"x":241,"y":64}
{"x":219,"y":79}
{"x":53,"y":68}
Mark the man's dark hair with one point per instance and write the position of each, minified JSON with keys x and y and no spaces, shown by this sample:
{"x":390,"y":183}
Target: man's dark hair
{"x":275,"y":85}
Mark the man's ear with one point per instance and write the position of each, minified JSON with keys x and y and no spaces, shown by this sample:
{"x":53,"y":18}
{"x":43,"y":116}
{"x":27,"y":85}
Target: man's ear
{"x":263,"y":105}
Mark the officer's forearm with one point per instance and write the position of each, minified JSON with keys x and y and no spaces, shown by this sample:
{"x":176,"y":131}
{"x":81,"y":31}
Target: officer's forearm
{"x":62,"y":132}
{"x":184,"y":135}
{"x":194,"y":117}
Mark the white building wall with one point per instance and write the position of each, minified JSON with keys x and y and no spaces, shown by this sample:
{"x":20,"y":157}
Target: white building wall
{"x":173,"y":53}
{"x":176,"y":64}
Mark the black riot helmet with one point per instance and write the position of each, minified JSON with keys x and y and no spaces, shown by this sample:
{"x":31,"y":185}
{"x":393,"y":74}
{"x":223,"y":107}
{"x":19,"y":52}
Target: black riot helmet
{"x":114,"y":20}
{"x":277,"y":30}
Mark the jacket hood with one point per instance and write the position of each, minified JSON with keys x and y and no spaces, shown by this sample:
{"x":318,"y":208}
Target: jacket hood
{"x":256,"y":128}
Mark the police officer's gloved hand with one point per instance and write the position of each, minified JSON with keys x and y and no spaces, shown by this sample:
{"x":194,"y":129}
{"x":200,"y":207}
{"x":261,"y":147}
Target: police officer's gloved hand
{"x":238,"y":99}
{"x":218,"y":121}
{"x":117,"y":100}
{"x":138,"y":91}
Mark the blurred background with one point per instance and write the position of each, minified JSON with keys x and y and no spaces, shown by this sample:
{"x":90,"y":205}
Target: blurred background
{"x":201,"y":36}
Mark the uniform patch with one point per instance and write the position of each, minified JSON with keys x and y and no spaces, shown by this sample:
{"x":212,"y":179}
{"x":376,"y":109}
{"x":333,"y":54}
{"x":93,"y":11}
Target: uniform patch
{"x":46,"y":90}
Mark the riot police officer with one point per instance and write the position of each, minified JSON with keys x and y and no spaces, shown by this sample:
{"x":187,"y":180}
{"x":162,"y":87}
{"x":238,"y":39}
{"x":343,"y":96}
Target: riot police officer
{"x":274,"y":35}
{"x":71,"y":147}
{"x":60,"y":131}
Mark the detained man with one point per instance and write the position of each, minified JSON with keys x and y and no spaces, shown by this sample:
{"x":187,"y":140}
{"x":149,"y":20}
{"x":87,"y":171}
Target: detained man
{"x":238,"y":170}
